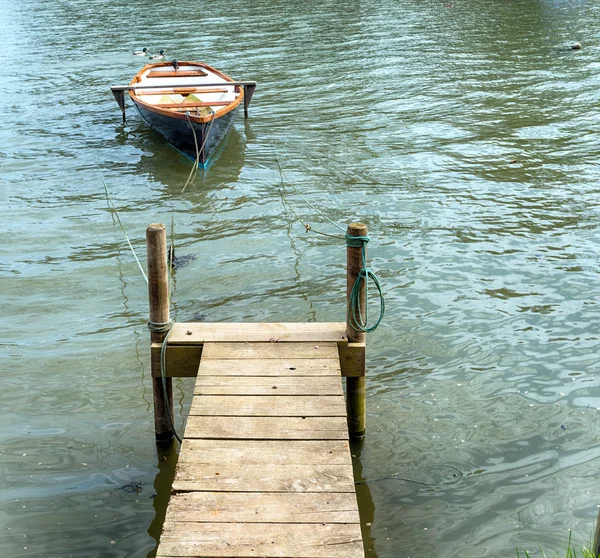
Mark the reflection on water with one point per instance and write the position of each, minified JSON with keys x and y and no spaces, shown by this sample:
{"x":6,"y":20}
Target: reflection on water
{"x":464,"y":134}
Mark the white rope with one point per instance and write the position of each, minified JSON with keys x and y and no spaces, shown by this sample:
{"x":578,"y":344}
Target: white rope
{"x":198,"y":151}
{"x":109,"y":198}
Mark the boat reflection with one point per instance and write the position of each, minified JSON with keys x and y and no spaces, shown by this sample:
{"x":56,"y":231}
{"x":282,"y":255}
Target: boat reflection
{"x":165,"y":164}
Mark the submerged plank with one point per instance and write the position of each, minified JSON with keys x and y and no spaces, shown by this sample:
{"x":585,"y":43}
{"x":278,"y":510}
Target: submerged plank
{"x":264,"y":428}
{"x":261,"y":539}
{"x":263,"y":507}
{"x":269,"y":406}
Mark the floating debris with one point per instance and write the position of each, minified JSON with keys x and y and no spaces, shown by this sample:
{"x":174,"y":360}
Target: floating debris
{"x":133,"y":487}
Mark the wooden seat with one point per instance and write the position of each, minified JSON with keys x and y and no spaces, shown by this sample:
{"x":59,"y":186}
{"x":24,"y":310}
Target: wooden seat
{"x":181,"y":91}
{"x":177,"y":73}
{"x":194,"y":105}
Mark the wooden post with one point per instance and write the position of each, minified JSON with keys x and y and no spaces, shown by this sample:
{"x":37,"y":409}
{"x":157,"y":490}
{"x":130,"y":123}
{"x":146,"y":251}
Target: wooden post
{"x":248,"y":92}
{"x":356,"y":393}
{"x":596,"y":548}
{"x":158,"y":293}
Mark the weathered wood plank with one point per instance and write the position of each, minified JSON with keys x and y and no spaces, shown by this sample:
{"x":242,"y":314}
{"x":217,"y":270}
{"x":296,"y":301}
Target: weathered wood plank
{"x":265,"y":428}
{"x":263,"y":507}
{"x":265,"y":467}
{"x":353,"y":360}
{"x":286,"y":351}
{"x":181,"y":362}
{"x":265,"y":452}
{"x":178,"y":73}
{"x":269,"y":406}
{"x":261,"y":478}
{"x":270,"y":367}
{"x":262,"y":539}
{"x":264,"y":385}
{"x":311,"y":332}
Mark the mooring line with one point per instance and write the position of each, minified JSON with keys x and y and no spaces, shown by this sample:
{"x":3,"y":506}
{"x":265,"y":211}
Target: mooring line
{"x":194,"y":170}
{"x":282,"y":174}
{"x":164,"y":327}
{"x":110,"y":200}
{"x":355,"y":315}
{"x":307,"y":226}
{"x":395,"y":476}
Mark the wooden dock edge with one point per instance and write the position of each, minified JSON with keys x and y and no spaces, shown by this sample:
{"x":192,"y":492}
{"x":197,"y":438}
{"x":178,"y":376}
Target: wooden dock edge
{"x":184,"y":349}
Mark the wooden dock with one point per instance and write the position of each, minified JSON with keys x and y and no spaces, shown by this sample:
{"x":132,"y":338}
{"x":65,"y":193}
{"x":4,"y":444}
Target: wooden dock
{"x":265,"y":466}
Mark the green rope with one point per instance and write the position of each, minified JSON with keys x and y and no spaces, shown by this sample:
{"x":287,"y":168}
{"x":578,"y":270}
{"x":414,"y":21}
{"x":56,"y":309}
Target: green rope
{"x":162,"y":327}
{"x":159,"y":327}
{"x":355,"y":318}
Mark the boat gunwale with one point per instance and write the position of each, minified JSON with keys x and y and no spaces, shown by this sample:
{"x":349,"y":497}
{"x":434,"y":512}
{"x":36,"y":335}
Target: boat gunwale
{"x":185,"y":115}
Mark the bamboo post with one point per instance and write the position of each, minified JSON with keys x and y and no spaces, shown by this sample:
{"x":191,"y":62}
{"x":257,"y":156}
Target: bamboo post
{"x":356,"y":393}
{"x":158,"y":294}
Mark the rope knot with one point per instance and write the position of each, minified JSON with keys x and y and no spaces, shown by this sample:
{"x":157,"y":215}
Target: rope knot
{"x":159,"y":327}
{"x":357,"y":241}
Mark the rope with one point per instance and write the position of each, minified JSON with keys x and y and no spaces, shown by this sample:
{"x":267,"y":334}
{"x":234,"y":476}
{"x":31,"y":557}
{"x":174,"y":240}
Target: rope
{"x":307,"y":226}
{"x":355,"y":317}
{"x":162,"y":327}
{"x":109,"y":198}
{"x":458,"y":475}
{"x":159,"y":327}
{"x":282,"y":174}
{"x":198,"y":151}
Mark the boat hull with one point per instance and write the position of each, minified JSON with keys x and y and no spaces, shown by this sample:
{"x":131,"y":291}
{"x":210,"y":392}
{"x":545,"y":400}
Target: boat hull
{"x":180,"y":132}
{"x":191,"y":104}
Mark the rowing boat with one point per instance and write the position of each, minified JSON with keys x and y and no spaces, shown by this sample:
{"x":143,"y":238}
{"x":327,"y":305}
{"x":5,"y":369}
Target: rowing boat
{"x":191,"y":104}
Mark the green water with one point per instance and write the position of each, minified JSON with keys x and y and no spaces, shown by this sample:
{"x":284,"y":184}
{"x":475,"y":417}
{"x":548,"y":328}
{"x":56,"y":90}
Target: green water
{"x":466,"y":137}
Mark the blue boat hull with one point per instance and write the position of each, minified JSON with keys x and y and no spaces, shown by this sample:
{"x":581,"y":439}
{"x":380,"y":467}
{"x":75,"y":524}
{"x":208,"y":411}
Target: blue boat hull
{"x":178,"y":132}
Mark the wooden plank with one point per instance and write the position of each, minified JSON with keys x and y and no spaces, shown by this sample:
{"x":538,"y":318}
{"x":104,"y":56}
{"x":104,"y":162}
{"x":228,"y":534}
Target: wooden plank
{"x":263,"y":478}
{"x":269,"y":406}
{"x":224,"y":351}
{"x":176,"y":73}
{"x":265,"y":452}
{"x":184,"y":91}
{"x":193,"y":105}
{"x":267,"y":428}
{"x":202,"y":332}
{"x":265,"y":385}
{"x":180,"y":361}
{"x":265,"y":466}
{"x":137,"y":85}
{"x":261,"y":539}
{"x":353,"y":360}
{"x":269,"y":367}
{"x":263,"y":507}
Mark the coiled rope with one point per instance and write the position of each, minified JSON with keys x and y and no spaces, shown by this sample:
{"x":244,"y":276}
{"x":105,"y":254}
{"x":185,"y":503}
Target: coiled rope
{"x":355,"y":316}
